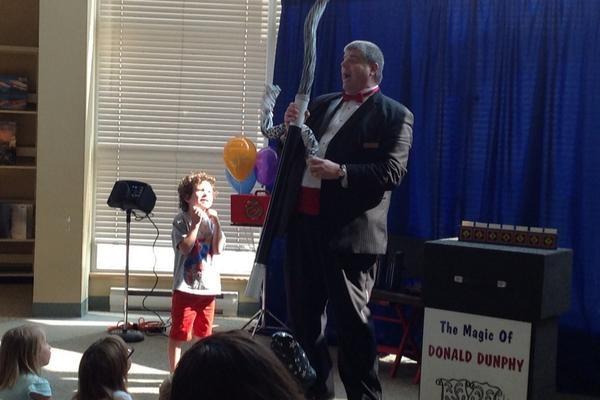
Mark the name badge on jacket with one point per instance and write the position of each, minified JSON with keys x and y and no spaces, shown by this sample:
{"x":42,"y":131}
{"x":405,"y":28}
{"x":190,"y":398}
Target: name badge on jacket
{"x":370,"y":145}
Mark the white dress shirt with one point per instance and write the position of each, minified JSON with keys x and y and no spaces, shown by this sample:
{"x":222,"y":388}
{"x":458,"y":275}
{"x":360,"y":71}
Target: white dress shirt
{"x":343,"y":114}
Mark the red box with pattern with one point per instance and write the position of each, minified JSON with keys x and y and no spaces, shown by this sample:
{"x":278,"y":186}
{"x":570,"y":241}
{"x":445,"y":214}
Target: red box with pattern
{"x":249,"y":209}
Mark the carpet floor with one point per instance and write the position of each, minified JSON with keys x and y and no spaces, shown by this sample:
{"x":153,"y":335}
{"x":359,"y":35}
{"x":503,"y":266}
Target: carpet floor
{"x":70,"y":337}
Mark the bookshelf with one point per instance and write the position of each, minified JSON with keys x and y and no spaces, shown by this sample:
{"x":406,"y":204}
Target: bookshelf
{"x":19,"y":33}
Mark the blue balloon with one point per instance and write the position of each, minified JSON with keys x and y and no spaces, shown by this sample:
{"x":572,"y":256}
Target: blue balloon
{"x":244,"y":186}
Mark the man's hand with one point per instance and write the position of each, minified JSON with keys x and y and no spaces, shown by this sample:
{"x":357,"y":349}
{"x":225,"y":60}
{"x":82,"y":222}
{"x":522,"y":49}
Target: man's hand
{"x":292,"y":113}
{"x":322,"y":168}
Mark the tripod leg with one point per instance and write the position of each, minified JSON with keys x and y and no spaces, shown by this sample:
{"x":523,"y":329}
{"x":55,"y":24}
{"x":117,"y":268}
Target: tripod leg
{"x":255,"y":316}
{"x":261,"y":315}
{"x":260,"y":321}
{"x":281,"y":324}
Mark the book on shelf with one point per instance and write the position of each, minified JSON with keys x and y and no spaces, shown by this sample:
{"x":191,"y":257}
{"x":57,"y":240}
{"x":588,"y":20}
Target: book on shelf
{"x":16,"y":221}
{"x":13,"y":92}
{"x":5,"y":217}
{"x":8,"y":142}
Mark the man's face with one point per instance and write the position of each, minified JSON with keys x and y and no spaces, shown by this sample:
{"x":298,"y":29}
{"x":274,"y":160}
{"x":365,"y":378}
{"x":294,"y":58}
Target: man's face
{"x":357,"y":73}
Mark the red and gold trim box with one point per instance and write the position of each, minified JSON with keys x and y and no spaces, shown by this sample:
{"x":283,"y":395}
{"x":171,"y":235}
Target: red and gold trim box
{"x":249,"y":209}
{"x":509,"y":235}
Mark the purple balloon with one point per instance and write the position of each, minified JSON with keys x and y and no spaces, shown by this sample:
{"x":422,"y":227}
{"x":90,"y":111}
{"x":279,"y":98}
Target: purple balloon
{"x":266,"y":166}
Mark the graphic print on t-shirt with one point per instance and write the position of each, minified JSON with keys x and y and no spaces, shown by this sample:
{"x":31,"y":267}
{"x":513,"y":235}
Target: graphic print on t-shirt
{"x":194,"y":264}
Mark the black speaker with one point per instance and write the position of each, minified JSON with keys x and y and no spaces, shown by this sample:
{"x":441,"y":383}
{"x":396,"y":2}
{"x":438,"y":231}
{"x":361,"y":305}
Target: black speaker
{"x":132,"y":195}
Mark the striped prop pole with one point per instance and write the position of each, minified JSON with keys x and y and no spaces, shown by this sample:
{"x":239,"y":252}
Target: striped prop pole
{"x":292,"y":143}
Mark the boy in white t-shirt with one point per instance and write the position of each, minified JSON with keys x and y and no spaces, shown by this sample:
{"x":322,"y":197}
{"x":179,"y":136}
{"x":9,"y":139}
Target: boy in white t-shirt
{"x":196,"y":238}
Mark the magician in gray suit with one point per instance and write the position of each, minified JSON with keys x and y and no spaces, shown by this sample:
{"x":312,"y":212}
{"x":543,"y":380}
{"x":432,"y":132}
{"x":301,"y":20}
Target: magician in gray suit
{"x":335,"y":218}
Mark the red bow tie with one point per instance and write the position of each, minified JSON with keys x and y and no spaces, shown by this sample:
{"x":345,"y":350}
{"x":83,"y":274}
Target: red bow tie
{"x":359,"y":97}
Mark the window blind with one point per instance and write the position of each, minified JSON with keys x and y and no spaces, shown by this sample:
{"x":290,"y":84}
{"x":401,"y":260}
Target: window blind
{"x":174,"y":81}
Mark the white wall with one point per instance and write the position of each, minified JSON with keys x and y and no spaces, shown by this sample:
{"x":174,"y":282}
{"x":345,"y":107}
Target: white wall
{"x":62,"y":220}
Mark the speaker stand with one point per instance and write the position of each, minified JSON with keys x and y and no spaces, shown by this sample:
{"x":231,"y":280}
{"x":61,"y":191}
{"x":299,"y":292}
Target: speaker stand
{"x":127,"y":334}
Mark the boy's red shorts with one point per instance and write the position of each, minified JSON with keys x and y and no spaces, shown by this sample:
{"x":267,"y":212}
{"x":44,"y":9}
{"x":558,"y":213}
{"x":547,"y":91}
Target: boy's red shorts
{"x":191,"y":313}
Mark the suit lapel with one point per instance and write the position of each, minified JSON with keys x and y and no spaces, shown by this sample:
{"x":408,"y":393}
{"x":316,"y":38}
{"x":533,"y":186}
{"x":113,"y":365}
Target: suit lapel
{"x":333,"y":106}
{"x":355,"y":124}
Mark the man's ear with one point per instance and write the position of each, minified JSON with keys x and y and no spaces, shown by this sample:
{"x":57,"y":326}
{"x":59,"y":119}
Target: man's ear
{"x":374,"y":69}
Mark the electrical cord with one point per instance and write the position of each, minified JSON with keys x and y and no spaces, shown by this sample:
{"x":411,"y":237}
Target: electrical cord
{"x":148,"y":327}
{"x":160,"y":326}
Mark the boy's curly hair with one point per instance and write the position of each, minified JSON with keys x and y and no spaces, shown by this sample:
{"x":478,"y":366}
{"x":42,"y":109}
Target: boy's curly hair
{"x":187,"y":186}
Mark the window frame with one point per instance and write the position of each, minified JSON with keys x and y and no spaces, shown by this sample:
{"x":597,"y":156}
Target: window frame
{"x":124,"y":153}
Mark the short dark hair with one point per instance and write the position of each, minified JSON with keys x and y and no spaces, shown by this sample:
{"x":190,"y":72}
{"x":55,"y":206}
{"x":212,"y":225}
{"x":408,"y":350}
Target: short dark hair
{"x":103,"y":369}
{"x":232,"y":365}
{"x":187,"y":185}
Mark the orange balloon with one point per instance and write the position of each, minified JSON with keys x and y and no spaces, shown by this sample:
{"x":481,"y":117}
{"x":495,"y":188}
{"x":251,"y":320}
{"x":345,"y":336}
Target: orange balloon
{"x":239,"y":155}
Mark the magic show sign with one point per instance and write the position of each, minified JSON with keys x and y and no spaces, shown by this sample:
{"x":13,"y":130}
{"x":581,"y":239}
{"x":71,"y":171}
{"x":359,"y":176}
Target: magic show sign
{"x":474,"y":357}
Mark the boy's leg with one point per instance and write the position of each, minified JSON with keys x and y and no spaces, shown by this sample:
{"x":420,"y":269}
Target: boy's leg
{"x":183,"y":315}
{"x":205,"y":315}
{"x":174,"y":353}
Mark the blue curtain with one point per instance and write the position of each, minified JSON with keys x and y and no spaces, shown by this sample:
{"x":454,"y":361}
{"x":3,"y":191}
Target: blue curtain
{"x":505,"y":95}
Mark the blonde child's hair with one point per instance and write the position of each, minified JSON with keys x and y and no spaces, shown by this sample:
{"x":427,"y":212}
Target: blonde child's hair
{"x":20,"y":353}
{"x":188,"y":184}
